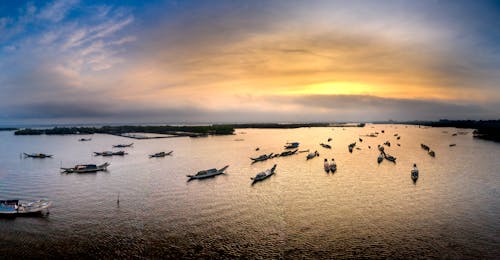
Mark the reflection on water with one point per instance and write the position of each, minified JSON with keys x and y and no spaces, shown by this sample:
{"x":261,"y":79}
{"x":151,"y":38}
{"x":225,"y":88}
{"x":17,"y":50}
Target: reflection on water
{"x":364,"y":209}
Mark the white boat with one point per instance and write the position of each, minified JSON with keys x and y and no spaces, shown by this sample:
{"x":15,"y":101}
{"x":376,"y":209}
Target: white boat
{"x":263,"y":175}
{"x":414,"y":173}
{"x":207,"y":173}
{"x":86,"y":168}
{"x":20,"y":207}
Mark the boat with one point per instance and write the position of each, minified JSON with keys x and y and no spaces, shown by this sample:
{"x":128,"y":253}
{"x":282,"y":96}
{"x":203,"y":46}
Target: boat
{"x":388,"y":143}
{"x":263,"y":175}
{"x":312,"y":155}
{"x":110,"y":153}
{"x":390,"y":158}
{"x":414,"y":173}
{"x":399,"y":137}
{"x":451,"y":145}
{"x":292,"y":145}
{"x":333,"y":166}
{"x":329,"y":139}
{"x":207,"y":173}
{"x":326,"y":166}
{"x":288,"y":153}
{"x":23,"y":207}
{"x":351,"y":146}
{"x":327,"y":146}
{"x":86,"y":168}
{"x":84,"y":139}
{"x":361,"y":140}
{"x":160,"y":154}
{"x":123,"y":145}
{"x":380,"y":158}
{"x":432,"y":153}
{"x":37,"y":155}
{"x":262,"y":158}
{"x":425,"y":147}
{"x":380,"y":148}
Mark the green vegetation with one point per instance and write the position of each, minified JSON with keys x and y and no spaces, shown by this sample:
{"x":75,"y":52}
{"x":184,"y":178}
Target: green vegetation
{"x":118,"y":130}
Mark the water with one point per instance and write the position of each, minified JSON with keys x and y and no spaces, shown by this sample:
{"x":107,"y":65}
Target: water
{"x":363,"y":210}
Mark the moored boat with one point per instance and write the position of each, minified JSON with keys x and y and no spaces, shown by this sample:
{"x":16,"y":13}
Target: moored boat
{"x":86,"y":168}
{"x":207,"y":173}
{"x":327,"y":146}
{"x":414,"y":173}
{"x":84,"y":139}
{"x":390,"y":158}
{"x":123,"y":145}
{"x":432,"y":153}
{"x":288,"y":153}
{"x":333,"y":166}
{"x":292,"y":145}
{"x":351,"y":146}
{"x":326,"y":166}
{"x":312,"y":155}
{"x":109,"y":153}
{"x":380,"y":158}
{"x":262,"y":158}
{"x":37,"y":155}
{"x":22,"y":207}
{"x":263,"y":175}
{"x":160,"y":154}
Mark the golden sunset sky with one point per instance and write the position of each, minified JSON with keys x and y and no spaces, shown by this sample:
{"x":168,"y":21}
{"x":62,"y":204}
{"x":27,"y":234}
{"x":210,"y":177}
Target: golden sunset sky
{"x":248,"y":61}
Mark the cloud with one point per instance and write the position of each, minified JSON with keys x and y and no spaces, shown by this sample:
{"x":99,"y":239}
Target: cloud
{"x":57,"y":10}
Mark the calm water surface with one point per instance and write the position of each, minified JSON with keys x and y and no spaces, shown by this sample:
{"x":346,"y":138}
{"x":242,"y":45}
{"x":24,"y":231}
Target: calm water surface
{"x":363,"y":210}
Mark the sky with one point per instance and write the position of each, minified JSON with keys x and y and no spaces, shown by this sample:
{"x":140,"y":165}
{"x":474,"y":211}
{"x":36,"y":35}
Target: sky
{"x":78,"y":61}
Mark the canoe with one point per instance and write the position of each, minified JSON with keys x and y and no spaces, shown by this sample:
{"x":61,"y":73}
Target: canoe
{"x":390,"y":158}
{"x":380,"y":158}
{"x":110,"y":153}
{"x":262,"y":158}
{"x":312,"y":155}
{"x":207,"y":173}
{"x":263,"y":175}
{"x":22,"y":207}
{"x":327,"y":146}
{"x":86,"y":168}
{"x":292,"y":145}
{"x":432,"y":153}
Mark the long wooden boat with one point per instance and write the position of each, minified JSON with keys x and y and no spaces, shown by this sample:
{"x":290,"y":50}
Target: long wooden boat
{"x":207,"y":173}
{"x":86,"y":168}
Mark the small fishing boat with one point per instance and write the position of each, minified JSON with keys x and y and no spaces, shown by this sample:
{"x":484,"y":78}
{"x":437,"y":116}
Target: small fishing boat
{"x":360,"y":140}
{"x":256,"y":149}
{"x":110,"y":153}
{"x":425,"y":147}
{"x":351,"y":146}
{"x":312,"y":155}
{"x":262,"y":158}
{"x":263,"y":175}
{"x":399,"y":137}
{"x":432,"y":153}
{"x":380,"y":158}
{"x":329,"y":139}
{"x":414,"y":173}
{"x":399,"y":144}
{"x":327,"y":146}
{"x":333,"y":166}
{"x":86,"y":168}
{"x":84,"y":139}
{"x":326,"y":165}
{"x":380,"y":148}
{"x":390,"y":158}
{"x":23,"y":207}
{"x":207,"y":173}
{"x":37,"y":155}
{"x":123,"y":145}
{"x":160,"y":154}
{"x":292,"y":145}
{"x":451,"y":145}
{"x":388,"y":143}
{"x":288,"y":153}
